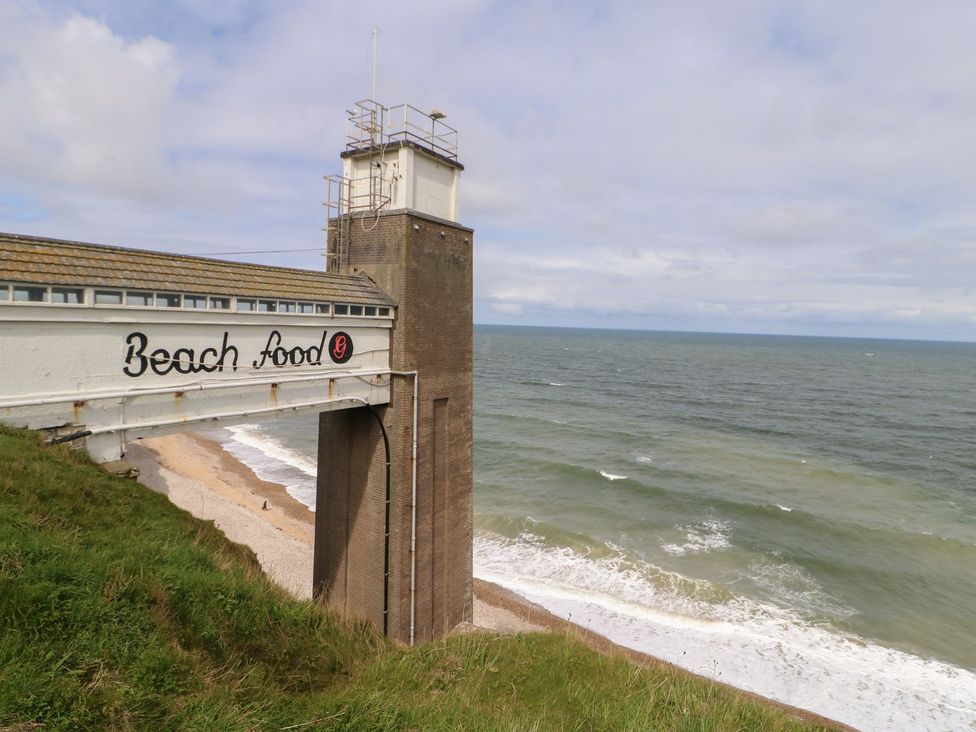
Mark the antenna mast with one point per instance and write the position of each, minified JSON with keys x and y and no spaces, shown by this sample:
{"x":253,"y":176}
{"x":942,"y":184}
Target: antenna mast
{"x":376,"y":33}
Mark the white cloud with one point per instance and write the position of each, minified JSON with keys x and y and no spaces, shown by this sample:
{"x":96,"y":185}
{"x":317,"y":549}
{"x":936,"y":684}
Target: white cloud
{"x":84,"y":107}
{"x":756,"y":163}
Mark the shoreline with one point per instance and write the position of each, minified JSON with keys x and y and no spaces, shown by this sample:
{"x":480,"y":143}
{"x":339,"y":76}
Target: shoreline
{"x":199,"y":476}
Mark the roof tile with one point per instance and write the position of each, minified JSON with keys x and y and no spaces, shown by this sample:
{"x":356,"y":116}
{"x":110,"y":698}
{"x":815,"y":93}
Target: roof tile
{"x":55,"y":262}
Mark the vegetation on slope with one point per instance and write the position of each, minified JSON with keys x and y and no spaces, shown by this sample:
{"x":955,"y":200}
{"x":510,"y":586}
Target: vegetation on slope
{"x":119,"y":611}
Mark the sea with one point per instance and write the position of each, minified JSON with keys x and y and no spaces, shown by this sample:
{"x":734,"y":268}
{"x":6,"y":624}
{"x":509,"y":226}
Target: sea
{"x":793,"y":516}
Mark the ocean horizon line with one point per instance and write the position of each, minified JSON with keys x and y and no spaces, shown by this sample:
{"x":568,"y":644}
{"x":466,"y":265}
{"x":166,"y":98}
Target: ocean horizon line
{"x":664,"y":331}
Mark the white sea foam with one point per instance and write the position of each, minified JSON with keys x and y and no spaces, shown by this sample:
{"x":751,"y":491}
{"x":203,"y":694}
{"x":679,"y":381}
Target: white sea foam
{"x":644,"y":459}
{"x":751,"y":645}
{"x":272,"y":461}
{"x":784,"y":508}
{"x":790,"y":585}
{"x":704,"y":536}
{"x":555,"y":383}
{"x":760,"y":647}
{"x":611,"y":476}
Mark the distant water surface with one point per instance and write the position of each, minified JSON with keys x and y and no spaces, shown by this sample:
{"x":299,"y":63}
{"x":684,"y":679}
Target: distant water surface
{"x":796,"y":516}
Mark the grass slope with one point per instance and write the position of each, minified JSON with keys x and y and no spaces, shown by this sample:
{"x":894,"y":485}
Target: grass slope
{"x":119,"y":611}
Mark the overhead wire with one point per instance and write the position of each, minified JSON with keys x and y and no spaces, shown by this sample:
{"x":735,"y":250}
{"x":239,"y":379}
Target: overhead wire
{"x":257,"y":251}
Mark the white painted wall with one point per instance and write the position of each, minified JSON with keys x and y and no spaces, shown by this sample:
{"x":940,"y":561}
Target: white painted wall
{"x":435,"y":187}
{"x":94,"y":359}
{"x":410,"y":179}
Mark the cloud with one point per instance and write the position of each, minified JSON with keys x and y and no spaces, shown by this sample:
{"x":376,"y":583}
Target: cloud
{"x":763,"y":165}
{"x":83,"y":107}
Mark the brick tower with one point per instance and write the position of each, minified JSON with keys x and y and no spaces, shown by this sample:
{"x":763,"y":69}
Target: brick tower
{"x":399,"y":555}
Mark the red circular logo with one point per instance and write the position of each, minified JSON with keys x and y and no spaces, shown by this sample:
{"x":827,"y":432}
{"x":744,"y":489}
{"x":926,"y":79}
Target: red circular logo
{"x":340,"y":347}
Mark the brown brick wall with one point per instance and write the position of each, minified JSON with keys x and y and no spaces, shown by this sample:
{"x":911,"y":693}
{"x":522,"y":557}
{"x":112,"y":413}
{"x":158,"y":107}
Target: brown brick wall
{"x":426,"y":266}
{"x":349,"y":517}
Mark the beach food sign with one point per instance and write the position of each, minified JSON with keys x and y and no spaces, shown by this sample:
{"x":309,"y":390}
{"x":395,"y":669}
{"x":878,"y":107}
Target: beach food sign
{"x":143,"y":357}
{"x":121,"y":374}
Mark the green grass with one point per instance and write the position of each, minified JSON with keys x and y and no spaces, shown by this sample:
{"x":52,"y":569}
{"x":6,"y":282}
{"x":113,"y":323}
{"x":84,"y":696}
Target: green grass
{"x":119,"y":611}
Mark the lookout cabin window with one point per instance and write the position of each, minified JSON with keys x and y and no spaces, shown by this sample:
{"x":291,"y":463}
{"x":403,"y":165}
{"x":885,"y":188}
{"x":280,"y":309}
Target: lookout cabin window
{"x":108,"y":297}
{"x":139,"y":299}
{"x":26,"y":293}
{"x":67,"y":295}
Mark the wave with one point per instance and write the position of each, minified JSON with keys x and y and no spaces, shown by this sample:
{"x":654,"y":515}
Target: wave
{"x":273,"y":461}
{"x":765,"y":648}
{"x":705,"y":536}
{"x":611,"y":476}
{"x":509,"y":429}
{"x":756,"y":646}
{"x":790,"y":585}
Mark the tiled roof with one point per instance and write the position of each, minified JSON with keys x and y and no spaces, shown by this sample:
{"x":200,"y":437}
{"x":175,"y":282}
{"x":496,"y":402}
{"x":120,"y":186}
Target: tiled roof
{"x":55,"y":262}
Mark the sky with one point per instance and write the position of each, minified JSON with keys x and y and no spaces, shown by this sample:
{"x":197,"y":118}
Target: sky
{"x":752,"y":166}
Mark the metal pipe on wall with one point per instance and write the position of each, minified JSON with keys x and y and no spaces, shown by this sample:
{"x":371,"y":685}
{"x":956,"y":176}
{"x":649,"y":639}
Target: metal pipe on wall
{"x":196,"y":386}
{"x":223,"y":415}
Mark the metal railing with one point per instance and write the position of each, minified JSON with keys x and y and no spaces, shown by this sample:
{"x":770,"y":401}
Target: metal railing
{"x":370,"y":127}
{"x":348,"y":202}
{"x":364,"y":125}
{"x":369,"y":124}
{"x":337,"y":208}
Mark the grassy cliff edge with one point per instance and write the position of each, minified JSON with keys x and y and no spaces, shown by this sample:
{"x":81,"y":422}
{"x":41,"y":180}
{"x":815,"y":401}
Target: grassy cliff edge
{"x":120,"y":611}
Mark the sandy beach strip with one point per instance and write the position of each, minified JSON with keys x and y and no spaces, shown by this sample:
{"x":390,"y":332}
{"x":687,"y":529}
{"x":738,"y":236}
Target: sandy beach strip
{"x":200,"y":477}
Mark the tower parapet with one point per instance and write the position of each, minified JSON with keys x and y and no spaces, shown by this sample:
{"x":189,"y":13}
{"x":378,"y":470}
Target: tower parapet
{"x":396,"y":158}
